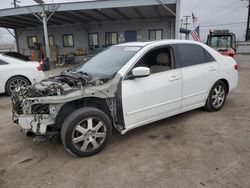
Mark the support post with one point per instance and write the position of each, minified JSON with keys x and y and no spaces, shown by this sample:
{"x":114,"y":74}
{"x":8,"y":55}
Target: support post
{"x":248,"y":20}
{"x":17,"y":40}
{"x":44,"y":16}
{"x":177,"y":19}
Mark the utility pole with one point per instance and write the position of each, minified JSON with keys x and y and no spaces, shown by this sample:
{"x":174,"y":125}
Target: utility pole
{"x":248,"y":20}
{"x":182,"y":20}
{"x":186,"y":23}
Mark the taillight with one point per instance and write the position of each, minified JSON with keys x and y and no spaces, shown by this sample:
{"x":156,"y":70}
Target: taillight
{"x":236,"y":66}
{"x":39,"y":68}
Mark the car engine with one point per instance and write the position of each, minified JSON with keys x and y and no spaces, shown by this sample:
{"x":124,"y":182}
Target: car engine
{"x":62,"y":84}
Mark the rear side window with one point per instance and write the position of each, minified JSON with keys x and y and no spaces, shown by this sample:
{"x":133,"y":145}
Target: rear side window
{"x":191,"y":54}
{"x":3,"y":62}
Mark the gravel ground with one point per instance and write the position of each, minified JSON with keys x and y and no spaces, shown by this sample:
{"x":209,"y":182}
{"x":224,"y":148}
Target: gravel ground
{"x":194,"y":149}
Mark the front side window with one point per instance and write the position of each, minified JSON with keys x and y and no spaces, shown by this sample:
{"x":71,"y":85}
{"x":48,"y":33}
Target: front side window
{"x":103,"y":65}
{"x":191,"y":54}
{"x":68,"y":40}
{"x":158,"y":60}
{"x":111,"y":38}
{"x":155,"y":34}
{"x":31,"y":41}
{"x":94,"y":40}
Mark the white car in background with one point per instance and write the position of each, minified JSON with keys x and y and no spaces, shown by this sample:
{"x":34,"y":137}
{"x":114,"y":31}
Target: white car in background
{"x":15,"y":73}
{"x":124,"y":87}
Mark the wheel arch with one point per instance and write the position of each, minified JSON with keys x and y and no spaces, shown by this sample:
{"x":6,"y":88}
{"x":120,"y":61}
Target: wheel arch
{"x":226,"y":84}
{"x":225,"y":81}
{"x":70,"y":107}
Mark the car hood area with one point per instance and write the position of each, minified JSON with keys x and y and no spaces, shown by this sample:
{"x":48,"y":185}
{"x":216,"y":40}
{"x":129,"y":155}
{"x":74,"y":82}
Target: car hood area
{"x":66,"y":87}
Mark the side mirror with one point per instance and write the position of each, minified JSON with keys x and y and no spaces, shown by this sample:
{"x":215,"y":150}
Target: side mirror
{"x":139,"y":72}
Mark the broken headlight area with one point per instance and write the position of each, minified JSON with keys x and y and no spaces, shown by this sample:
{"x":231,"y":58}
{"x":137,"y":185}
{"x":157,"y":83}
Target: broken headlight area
{"x":40,"y":109}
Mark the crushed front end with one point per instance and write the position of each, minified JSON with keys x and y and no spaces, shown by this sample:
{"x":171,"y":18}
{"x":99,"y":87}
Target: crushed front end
{"x":36,"y":107}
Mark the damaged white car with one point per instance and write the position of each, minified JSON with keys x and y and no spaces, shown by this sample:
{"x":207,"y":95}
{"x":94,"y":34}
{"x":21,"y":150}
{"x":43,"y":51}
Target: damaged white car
{"x":124,"y":87}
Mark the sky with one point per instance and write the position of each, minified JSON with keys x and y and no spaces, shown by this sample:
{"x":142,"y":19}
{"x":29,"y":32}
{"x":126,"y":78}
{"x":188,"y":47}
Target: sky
{"x":211,"y":15}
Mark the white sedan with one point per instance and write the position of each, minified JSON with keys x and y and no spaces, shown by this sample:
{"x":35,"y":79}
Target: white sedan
{"x":124,"y":87}
{"x":15,"y":73}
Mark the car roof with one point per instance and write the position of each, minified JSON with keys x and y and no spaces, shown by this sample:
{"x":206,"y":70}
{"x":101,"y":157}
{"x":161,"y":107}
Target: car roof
{"x":165,"y":41}
{"x":10,"y":59}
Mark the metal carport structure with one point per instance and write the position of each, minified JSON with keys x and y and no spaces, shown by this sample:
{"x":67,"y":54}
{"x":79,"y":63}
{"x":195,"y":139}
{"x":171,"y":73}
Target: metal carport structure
{"x":92,"y":11}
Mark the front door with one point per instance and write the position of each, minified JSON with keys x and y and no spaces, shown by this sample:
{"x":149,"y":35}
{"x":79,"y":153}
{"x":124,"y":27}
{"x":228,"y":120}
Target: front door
{"x":130,"y":36}
{"x":155,"y":97}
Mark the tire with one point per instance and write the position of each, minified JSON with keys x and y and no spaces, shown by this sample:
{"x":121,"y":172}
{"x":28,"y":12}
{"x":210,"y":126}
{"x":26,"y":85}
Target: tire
{"x":86,"y":132}
{"x":216,"y":94}
{"x":14,"y":82}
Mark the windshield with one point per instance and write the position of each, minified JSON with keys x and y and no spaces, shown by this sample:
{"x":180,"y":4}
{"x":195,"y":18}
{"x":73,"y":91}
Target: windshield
{"x":108,"y":62}
{"x":221,"y":41}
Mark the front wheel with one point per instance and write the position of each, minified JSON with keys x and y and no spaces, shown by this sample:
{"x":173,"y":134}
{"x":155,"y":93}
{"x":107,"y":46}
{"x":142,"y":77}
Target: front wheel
{"x":86,"y":132}
{"x":217,"y":97}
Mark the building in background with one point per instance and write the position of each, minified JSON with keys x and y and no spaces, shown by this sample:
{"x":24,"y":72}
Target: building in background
{"x":85,"y":27}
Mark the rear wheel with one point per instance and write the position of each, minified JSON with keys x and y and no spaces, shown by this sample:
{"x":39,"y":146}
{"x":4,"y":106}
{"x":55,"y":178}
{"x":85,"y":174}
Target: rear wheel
{"x":217,"y":97}
{"x":15,"y":82}
{"x":86,"y":132}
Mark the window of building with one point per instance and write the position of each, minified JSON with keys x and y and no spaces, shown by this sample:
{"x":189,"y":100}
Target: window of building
{"x":94,"y":40}
{"x":155,"y":34}
{"x":68,"y":40}
{"x":51,"y":40}
{"x":111,"y":38}
{"x":191,"y":54}
{"x":31,"y":41}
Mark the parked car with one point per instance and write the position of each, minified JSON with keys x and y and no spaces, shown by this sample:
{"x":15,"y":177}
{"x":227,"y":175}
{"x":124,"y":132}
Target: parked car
{"x":125,"y":87}
{"x":15,"y":73}
{"x":17,"y":55}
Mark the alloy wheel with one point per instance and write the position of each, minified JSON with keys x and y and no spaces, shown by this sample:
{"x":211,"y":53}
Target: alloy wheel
{"x":218,"y":96}
{"x":89,"y":134}
{"x":17,"y":83}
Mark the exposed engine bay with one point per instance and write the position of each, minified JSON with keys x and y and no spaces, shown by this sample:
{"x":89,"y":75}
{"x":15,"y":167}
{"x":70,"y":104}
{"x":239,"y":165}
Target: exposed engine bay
{"x":38,"y":105}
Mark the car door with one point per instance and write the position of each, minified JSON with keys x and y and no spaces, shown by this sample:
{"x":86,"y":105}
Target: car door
{"x":151,"y":98}
{"x":199,"y":71}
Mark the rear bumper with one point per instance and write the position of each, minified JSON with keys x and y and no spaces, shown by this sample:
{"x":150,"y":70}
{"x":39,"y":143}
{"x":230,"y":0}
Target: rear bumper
{"x":38,"y":78}
{"x":36,"y":124}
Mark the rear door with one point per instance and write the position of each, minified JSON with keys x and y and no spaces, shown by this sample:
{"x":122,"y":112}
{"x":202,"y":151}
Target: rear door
{"x":199,"y":71}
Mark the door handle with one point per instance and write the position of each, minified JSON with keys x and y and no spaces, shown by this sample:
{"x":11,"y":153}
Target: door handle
{"x":174,"y":77}
{"x":212,"y":69}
